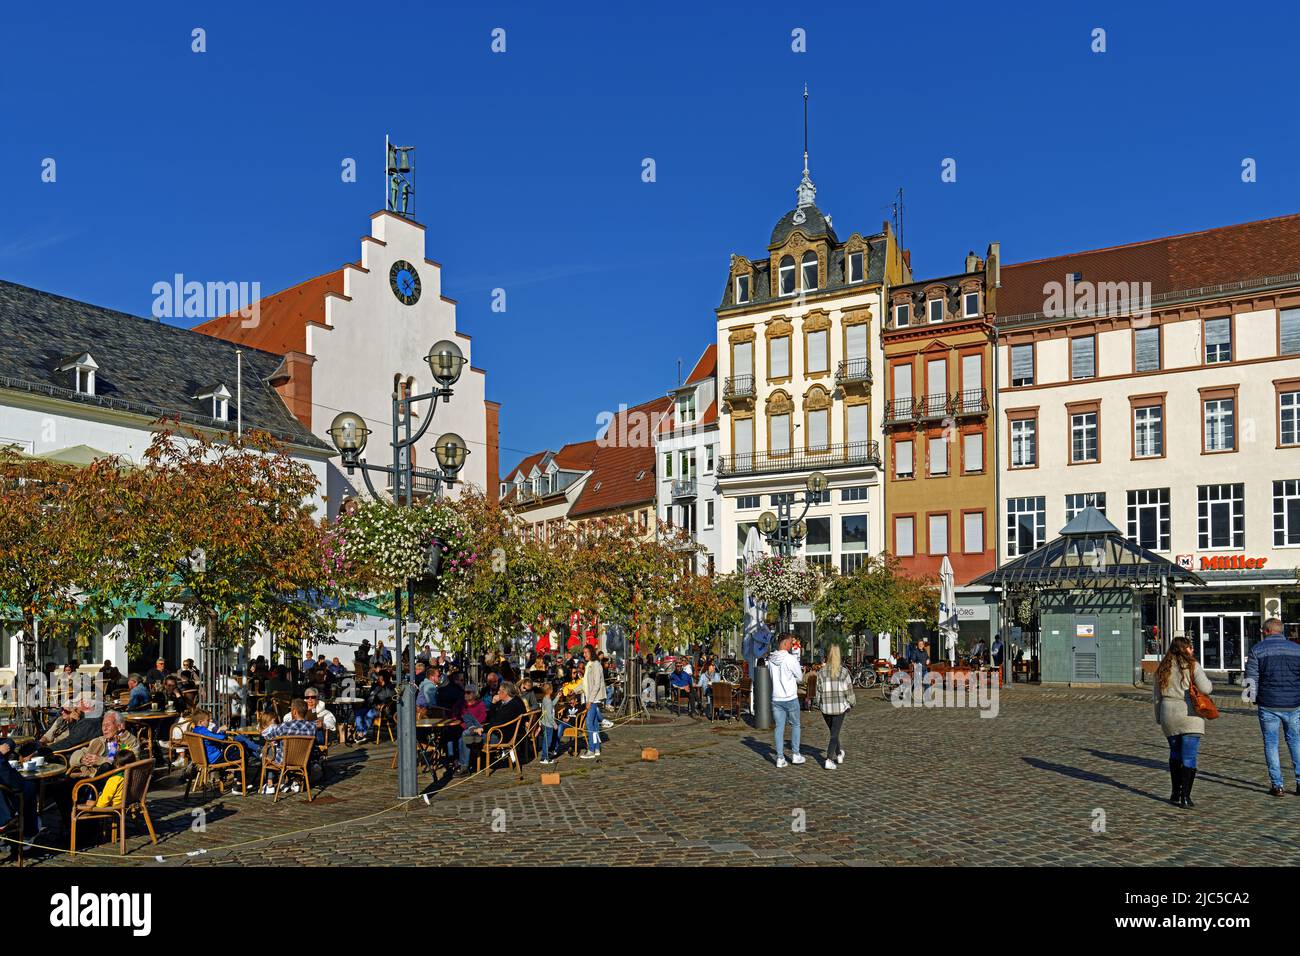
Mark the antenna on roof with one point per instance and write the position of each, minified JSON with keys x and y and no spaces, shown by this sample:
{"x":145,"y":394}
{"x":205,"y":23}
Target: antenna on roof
{"x":897,"y":206}
{"x":679,"y":370}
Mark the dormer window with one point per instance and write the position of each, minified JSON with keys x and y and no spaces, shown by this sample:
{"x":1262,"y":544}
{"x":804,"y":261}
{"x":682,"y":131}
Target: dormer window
{"x":809,"y":271}
{"x":219,"y":396}
{"x":935,"y":309}
{"x":742,"y":289}
{"x":686,"y":409}
{"x":902,"y":316}
{"x":81,"y":373}
{"x":786,"y":275}
{"x":855,"y":267}
{"x":970,"y":304}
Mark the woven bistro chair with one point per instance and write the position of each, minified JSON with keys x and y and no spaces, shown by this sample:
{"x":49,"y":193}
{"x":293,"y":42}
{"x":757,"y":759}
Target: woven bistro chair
{"x":295,"y":755}
{"x":135,"y":790}
{"x":207,"y":772}
{"x":384,"y":720}
{"x":578,"y":731}
{"x":724,"y":699}
{"x":501,"y":740}
{"x":12,"y":832}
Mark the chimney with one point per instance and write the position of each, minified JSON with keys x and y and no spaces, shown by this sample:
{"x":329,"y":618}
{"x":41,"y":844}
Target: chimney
{"x":293,"y":382}
{"x":973,"y":263}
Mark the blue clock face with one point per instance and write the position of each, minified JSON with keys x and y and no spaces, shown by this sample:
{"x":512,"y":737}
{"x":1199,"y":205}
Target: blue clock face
{"x":405,"y":282}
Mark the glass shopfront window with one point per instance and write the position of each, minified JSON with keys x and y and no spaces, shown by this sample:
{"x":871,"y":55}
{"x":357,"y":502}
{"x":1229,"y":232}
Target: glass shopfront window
{"x":1291,"y":615}
{"x":1222,"y":628}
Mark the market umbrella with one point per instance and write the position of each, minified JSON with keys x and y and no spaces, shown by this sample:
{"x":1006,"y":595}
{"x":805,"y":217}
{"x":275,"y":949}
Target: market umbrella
{"x":948,"y":609}
{"x":757,"y":636}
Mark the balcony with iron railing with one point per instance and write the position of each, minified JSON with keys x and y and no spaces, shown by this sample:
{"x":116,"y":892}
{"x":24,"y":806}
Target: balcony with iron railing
{"x":933,"y":406}
{"x":684,"y":488}
{"x":854,"y":372}
{"x":900,"y":410}
{"x":971,"y":401}
{"x":848,"y":455}
{"x":738,"y":387}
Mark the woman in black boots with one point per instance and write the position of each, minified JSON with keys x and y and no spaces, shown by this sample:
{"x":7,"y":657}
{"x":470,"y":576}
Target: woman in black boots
{"x":1176,"y":673}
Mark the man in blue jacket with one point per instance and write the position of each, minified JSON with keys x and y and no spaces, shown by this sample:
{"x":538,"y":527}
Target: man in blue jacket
{"x":1273,"y":683}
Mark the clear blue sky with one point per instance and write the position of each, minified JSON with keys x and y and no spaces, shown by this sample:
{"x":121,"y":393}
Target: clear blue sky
{"x":225,"y":165}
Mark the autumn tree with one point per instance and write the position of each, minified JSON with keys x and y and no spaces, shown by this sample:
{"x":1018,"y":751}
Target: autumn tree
{"x":877,"y":598}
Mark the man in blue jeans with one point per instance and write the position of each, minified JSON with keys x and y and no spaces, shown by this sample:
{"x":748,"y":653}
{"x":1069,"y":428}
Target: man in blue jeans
{"x":786,"y":673}
{"x":1273,"y":683}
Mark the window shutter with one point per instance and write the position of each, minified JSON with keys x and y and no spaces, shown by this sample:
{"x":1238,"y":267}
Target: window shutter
{"x":903,"y":535}
{"x":972,"y":372}
{"x":1022,"y":363}
{"x":744,"y":436}
{"x":974,"y":533}
{"x":780,"y":426}
{"x":743,"y":356}
{"x":1290,"y":338}
{"x":1146,"y":349}
{"x":938,"y":456}
{"x":818,"y":426}
{"x":780,"y":357}
{"x":973,"y":451}
{"x":903,"y":458}
{"x":1083,"y":362}
{"x":856,"y":341}
{"x":902,"y":381}
{"x":938,"y":534}
{"x":858,"y":430}
{"x":817,"y":351}
{"x":1218,"y":331}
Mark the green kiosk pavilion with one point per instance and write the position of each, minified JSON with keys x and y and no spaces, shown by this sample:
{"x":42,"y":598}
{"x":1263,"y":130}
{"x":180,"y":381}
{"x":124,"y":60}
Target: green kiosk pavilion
{"x":1090,"y":601}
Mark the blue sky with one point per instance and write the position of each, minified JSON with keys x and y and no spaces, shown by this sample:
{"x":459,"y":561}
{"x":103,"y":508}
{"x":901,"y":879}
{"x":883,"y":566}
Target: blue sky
{"x":225,"y":165}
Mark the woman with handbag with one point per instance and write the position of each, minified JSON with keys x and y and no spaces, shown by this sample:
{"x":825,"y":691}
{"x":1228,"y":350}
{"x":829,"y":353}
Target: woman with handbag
{"x":1181,"y":693}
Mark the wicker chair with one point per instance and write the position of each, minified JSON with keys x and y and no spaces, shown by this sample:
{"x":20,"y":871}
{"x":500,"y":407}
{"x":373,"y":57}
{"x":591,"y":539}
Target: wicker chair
{"x":295,"y":755}
{"x":503,"y":739}
{"x":135,"y":791}
{"x":724,"y":699}
{"x":384,"y":720}
{"x":12,"y":832}
{"x":208,"y":772}
{"x":578,"y":731}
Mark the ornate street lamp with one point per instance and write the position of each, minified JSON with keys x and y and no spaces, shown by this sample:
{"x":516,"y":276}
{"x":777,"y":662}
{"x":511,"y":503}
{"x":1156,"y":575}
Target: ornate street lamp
{"x":349,"y":432}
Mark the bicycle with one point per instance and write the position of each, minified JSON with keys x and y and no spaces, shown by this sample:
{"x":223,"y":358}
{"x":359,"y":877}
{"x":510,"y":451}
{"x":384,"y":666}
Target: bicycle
{"x":731,"y":673}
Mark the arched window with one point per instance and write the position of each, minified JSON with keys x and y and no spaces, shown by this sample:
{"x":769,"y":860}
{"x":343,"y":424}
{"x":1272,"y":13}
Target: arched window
{"x":809,"y":271}
{"x":787,"y":275}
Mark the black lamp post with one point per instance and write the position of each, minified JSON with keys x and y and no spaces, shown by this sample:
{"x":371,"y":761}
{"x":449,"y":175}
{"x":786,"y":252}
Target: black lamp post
{"x":349,"y":432}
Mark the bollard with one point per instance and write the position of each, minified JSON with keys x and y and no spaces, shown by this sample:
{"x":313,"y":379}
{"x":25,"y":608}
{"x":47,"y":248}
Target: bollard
{"x":762,"y":691}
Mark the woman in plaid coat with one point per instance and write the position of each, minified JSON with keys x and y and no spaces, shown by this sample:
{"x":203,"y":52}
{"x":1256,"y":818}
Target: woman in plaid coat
{"x":834,"y":697}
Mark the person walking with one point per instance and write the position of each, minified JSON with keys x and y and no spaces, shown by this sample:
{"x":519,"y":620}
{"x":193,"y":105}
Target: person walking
{"x":786,"y":673}
{"x":1177,"y":673}
{"x":1273,"y":684}
{"x":593,"y":691}
{"x":834,"y":697}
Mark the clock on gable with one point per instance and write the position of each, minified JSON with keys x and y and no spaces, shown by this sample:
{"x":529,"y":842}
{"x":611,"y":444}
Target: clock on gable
{"x":405,"y":282}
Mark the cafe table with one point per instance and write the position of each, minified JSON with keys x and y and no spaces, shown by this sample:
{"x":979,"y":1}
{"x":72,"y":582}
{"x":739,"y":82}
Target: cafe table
{"x":436,"y":726}
{"x":50,"y":772}
{"x":155,"y":720}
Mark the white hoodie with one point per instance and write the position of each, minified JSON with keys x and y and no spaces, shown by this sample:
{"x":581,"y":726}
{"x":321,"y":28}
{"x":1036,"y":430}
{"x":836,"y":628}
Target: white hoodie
{"x":786,"y":671}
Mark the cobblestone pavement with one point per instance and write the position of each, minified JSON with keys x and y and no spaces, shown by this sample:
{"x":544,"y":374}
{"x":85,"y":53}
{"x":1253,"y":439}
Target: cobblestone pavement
{"x":918,"y":787}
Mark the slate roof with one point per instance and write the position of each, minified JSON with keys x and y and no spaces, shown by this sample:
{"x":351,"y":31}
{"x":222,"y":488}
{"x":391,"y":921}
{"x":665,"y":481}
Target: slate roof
{"x":814,"y":225}
{"x":760,"y":286}
{"x":145,"y":366}
{"x":1195,"y":260}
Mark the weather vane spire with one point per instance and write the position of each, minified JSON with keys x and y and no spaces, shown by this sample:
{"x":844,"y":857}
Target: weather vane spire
{"x":806,"y":192}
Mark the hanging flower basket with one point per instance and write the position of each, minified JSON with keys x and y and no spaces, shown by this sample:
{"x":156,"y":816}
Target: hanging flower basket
{"x":388,"y":545}
{"x":773,"y":579}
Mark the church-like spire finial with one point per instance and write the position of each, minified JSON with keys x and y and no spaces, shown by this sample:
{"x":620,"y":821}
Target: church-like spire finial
{"x":806,"y":192}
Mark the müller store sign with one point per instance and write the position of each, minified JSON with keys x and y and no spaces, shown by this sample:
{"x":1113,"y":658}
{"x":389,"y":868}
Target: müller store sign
{"x":1223,"y":562}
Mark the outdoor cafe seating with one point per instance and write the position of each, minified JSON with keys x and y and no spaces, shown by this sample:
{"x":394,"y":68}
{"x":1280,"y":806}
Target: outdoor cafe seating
{"x":135,"y":785}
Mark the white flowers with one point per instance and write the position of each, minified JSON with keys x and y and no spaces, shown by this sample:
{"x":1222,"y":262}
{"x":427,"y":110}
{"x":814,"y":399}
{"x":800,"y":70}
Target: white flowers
{"x":774,"y":580}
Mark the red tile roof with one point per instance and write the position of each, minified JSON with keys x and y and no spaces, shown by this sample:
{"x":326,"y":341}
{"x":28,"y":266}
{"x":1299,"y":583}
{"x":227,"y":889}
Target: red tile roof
{"x":1174,"y":263}
{"x":281,"y":318}
{"x":706,"y":367}
{"x":710,"y":414}
{"x":623,"y":471}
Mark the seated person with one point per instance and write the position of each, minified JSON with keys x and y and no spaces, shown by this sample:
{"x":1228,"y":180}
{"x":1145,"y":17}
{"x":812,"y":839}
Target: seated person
{"x":336,"y":669}
{"x":681,"y":683}
{"x":68,"y":716}
{"x":80,"y":731}
{"x":451,"y":693}
{"x":326,"y":722}
{"x":279,"y":682}
{"x":139,"y":699}
{"x":201,"y":725}
{"x":299,"y":724}
{"x":471,"y":712}
{"x":168,"y":696}
{"x":381,"y":694}
{"x":112,"y":792}
{"x":156,"y":675}
{"x":100,"y":752}
{"x":19,"y":785}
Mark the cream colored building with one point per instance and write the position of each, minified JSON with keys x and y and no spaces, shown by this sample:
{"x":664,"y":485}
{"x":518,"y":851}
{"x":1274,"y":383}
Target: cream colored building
{"x":800,"y":388}
{"x":1175,"y":410}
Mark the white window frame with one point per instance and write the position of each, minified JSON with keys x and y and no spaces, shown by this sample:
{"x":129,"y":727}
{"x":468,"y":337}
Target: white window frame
{"x":1024,"y":442}
{"x":902,"y":311}
{"x":1034,"y":507}
{"x":1082,"y":426}
{"x":1074,"y":503}
{"x":803,"y":271}
{"x":970,"y":305}
{"x":1220,"y":423}
{"x":1140,"y":500}
{"x":742,"y":299}
{"x":782,"y":270}
{"x":858,"y":258}
{"x":930,"y":304}
{"x":1149,"y":419}
{"x":1284,"y":492}
{"x":1210,"y":501}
